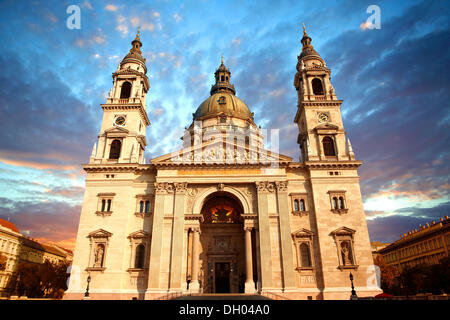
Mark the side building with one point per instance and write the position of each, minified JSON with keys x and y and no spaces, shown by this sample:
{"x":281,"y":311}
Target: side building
{"x":427,"y":245}
{"x":16,"y":248}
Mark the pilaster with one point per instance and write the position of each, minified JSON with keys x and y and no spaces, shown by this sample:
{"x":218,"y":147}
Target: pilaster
{"x":177,"y":237}
{"x":263,"y":188}
{"x":285,"y":236}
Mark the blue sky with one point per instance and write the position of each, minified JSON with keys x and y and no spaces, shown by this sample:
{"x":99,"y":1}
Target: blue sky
{"x":394,"y":82}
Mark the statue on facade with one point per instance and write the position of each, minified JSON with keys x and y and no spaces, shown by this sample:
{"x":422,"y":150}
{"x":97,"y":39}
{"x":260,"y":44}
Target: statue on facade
{"x":99,"y":256}
{"x":345,"y":251}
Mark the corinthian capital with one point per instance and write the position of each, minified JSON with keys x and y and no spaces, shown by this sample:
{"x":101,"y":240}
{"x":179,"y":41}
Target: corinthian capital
{"x":180,"y":187}
{"x":265,"y":186}
{"x":163,"y":187}
{"x":281,"y":186}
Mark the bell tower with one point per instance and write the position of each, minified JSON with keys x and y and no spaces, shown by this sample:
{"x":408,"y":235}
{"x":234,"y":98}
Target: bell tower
{"x":321,"y":131}
{"x":122,"y":134}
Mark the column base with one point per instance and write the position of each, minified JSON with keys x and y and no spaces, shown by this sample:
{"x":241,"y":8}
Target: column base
{"x":250,"y":287}
{"x":194,"y":287}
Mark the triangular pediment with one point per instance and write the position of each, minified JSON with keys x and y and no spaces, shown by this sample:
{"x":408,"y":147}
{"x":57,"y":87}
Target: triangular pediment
{"x":139,"y":234}
{"x":343,"y":231}
{"x":100,"y":233}
{"x":221,"y":153}
{"x":326,"y":126}
{"x":302,"y":233}
{"x":116,"y":130}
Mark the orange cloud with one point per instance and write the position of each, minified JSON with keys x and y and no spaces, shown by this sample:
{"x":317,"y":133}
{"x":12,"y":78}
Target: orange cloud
{"x":37,"y":165}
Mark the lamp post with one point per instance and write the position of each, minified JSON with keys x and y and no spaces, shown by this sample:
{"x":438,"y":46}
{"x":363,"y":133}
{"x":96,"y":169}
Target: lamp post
{"x":354,"y":296}
{"x":86,"y":294}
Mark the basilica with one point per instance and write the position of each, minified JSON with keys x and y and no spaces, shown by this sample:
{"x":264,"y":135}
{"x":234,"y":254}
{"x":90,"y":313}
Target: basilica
{"x":222,"y":214}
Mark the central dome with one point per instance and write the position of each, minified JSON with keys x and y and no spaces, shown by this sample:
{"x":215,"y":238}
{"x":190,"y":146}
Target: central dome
{"x":223,"y":100}
{"x":223,"y":103}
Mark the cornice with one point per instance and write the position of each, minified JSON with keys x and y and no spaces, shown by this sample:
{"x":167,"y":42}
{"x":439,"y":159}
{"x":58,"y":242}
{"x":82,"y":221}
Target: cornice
{"x":117,"y":167}
{"x":316,"y":103}
{"x":325,"y":165}
{"x":201,"y":164}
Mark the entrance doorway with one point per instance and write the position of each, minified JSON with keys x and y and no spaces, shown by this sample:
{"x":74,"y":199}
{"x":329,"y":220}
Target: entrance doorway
{"x":222,"y":259}
{"x":222,"y":277}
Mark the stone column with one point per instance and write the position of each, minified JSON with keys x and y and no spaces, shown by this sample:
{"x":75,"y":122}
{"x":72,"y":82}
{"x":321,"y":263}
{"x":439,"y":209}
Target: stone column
{"x":177,"y":237}
{"x":264,"y":234}
{"x":249,"y":283}
{"x":161,"y":190}
{"x":285,"y":237}
{"x":194,"y":285}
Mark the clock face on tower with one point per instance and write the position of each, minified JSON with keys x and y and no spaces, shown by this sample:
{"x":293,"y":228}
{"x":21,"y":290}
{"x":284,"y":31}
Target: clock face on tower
{"x":323,"y":117}
{"x":120,"y":121}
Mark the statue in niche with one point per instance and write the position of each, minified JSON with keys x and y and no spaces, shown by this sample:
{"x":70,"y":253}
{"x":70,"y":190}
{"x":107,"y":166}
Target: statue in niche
{"x":346,"y":253}
{"x":99,"y":256}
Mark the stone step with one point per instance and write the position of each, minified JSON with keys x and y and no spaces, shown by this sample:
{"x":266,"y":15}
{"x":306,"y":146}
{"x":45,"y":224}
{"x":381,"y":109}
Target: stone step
{"x":222,"y":296}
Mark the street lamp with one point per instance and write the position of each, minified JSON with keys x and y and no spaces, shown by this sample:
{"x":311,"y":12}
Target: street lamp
{"x":86,"y":294}
{"x":354,"y":296}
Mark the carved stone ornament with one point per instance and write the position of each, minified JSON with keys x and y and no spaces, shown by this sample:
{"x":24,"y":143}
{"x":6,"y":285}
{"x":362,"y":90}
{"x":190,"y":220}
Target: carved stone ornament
{"x":192,"y":192}
{"x":281,"y":186}
{"x":220,"y":186}
{"x":180,"y":187}
{"x":163,"y":187}
{"x":265,"y":186}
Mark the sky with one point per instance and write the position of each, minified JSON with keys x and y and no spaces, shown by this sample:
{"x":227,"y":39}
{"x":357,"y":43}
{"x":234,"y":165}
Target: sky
{"x":394,"y":81}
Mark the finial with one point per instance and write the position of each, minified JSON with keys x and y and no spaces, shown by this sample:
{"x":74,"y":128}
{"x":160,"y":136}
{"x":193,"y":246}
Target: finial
{"x":222,"y":60}
{"x":304,"y":29}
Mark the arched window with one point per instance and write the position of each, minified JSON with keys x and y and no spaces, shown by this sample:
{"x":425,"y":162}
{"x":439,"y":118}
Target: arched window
{"x":317,"y":86}
{"x":126,"y":90}
{"x":103,"y":205}
{"x":114,"y":153}
{"x":109,"y":205}
{"x":296,"y":207}
{"x":141,"y":208}
{"x":328,"y":146}
{"x":140,"y":257}
{"x":341,"y":203}
{"x":305,"y":255}
{"x":302,"y":205}
{"x":222,"y":78}
{"x":335,"y":203}
{"x":147,"y":206}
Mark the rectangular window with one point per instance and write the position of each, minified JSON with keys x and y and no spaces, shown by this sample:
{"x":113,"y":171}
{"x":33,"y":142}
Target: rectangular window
{"x":105,"y":203}
{"x":299,"y":203}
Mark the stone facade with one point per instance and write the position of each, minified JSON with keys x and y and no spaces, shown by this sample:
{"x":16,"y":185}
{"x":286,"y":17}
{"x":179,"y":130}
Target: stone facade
{"x":223,"y":214}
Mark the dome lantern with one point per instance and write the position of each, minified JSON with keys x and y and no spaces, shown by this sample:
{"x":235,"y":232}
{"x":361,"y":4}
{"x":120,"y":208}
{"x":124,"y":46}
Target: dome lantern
{"x":223,"y":76}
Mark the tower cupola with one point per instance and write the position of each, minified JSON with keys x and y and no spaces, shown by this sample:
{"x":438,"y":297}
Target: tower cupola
{"x":223,"y":76}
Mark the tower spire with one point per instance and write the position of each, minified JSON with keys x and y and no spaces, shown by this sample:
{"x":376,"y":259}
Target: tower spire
{"x":136,"y":43}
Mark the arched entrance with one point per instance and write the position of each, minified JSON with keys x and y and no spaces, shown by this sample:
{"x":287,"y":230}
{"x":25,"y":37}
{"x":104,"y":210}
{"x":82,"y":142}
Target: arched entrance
{"x":222,"y":256}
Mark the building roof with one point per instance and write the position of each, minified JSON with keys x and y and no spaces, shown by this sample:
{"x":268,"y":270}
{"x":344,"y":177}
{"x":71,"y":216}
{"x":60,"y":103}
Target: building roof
{"x":413,"y":235}
{"x":9,"y":225}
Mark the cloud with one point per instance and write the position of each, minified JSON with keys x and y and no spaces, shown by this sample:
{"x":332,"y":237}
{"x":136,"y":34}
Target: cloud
{"x":57,"y":222}
{"x":177,"y":17}
{"x":389,"y":228}
{"x":111,"y":7}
